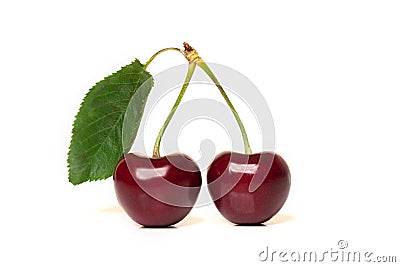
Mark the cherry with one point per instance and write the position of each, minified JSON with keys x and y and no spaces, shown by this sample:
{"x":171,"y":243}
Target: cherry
{"x":157,"y":192}
{"x":248,"y":189}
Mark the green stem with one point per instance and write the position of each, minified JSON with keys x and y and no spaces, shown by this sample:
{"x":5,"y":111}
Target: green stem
{"x":160,"y":52}
{"x":156,"y":150}
{"x":200,"y":62}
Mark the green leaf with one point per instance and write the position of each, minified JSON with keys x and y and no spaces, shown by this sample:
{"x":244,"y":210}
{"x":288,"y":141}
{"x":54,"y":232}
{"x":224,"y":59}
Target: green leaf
{"x":107,"y":123}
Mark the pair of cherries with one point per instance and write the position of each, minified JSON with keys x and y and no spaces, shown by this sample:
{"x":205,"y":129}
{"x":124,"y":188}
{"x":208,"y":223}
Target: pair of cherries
{"x":247,"y":189}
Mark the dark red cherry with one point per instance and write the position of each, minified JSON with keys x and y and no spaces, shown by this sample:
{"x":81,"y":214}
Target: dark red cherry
{"x":157,"y":192}
{"x":248,"y":189}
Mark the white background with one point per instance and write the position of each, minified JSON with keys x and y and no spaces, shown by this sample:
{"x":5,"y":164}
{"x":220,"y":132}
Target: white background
{"x":329,"y":70}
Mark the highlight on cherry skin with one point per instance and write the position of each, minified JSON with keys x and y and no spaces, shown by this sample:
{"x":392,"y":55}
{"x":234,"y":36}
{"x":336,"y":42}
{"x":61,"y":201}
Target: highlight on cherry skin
{"x":157,"y":192}
{"x":248,"y":189}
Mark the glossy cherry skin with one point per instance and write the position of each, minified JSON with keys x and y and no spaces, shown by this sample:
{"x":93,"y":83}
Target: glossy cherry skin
{"x":157,"y":192}
{"x":248,"y":189}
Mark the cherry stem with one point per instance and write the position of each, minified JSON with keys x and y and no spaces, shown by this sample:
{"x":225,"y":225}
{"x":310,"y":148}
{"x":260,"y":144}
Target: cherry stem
{"x":160,"y":52}
{"x":191,"y":68}
{"x":200,"y":62}
{"x":192,"y":56}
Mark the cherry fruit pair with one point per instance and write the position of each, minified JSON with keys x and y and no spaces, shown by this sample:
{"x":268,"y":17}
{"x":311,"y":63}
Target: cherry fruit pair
{"x":247,"y":189}
{"x":158,"y":192}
